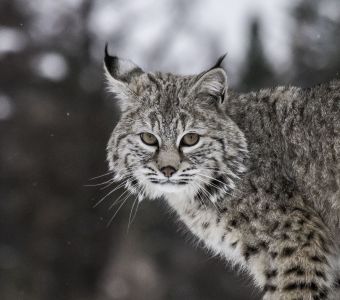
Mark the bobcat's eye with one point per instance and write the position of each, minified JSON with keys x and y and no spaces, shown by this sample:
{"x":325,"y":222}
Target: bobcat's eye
{"x":148,"y":139}
{"x":190,"y":139}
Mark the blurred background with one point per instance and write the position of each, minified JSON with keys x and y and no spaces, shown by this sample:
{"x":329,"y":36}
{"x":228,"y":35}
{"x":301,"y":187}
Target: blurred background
{"x":55,"y":119}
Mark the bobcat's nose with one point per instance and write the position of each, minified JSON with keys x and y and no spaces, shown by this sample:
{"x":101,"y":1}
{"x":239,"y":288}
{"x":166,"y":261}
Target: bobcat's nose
{"x":168,"y":171}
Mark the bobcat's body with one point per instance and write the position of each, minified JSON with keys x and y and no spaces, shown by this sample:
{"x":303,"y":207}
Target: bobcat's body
{"x":260,"y":187}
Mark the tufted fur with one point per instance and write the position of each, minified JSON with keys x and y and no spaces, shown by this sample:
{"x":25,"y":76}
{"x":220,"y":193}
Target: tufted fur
{"x":261,"y":187}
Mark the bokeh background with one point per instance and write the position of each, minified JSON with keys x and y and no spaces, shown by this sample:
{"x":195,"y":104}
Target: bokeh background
{"x":55,"y":119}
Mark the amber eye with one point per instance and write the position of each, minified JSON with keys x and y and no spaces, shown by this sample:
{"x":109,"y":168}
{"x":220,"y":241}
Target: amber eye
{"x":148,"y":139}
{"x":190,"y":139}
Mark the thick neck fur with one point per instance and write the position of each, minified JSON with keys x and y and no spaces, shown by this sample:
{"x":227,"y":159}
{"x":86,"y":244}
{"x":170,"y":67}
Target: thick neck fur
{"x":209,"y":223}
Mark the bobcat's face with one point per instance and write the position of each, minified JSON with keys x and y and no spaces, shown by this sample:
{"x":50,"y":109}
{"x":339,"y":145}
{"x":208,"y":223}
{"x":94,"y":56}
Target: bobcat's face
{"x":173,"y":136}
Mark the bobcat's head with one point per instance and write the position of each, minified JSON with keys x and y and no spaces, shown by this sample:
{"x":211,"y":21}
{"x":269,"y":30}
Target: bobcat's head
{"x":173,"y":136}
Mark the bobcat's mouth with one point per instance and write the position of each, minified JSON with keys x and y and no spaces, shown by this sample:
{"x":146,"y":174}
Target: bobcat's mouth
{"x":169,"y":182}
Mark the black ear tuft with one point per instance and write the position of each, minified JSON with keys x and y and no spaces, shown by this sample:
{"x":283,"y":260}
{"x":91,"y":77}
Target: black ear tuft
{"x":110,"y":61}
{"x":219,"y":61}
{"x":106,"y":49}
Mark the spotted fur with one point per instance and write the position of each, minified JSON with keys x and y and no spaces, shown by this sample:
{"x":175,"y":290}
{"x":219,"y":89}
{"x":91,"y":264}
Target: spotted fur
{"x":260,"y":188}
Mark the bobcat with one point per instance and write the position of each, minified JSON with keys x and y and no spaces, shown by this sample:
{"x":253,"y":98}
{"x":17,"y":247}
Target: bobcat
{"x":254,"y":176}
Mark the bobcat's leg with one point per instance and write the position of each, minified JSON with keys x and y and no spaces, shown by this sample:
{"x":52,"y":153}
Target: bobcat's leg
{"x":300,"y":259}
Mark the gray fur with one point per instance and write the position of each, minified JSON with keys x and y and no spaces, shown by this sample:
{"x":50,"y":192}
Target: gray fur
{"x":261,"y":187}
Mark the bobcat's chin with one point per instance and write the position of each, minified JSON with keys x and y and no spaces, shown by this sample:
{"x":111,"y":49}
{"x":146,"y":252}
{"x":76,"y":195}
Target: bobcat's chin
{"x":173,"y":189}
{"x":170,"y":187}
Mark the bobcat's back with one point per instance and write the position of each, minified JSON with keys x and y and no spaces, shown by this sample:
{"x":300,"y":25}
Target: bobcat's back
{"x":294,"y":133}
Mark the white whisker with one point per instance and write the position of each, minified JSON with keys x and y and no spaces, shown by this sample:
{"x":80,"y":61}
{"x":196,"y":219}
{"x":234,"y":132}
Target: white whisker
{"x":106,"y":186}
{"x":211,"y":184}
{"x":129,"y":222}
{"x":108,"y":194}
{"x":99,"y":184}
{"x":199,"y":195}
{"x":120,"y":206}
{"x":117,"y":200}
{"x":112,"y":218}
{"x":102,"y":175}
{"x":209,"y":196}
{"x":214,"y":179}
{"x":220,"y":172}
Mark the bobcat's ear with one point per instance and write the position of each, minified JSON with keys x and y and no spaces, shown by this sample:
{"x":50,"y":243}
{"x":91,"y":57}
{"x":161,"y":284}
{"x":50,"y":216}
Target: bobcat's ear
{"x":122,"y":76}
{"x":212,"y":84}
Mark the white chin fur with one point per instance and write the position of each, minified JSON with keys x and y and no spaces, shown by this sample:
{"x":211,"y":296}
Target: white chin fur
{"x":168,"y":188}
{"x":154,"y":191}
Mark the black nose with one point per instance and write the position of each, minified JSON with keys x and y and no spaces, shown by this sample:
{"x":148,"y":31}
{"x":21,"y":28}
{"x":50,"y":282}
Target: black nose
{"x":168,"y":171}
